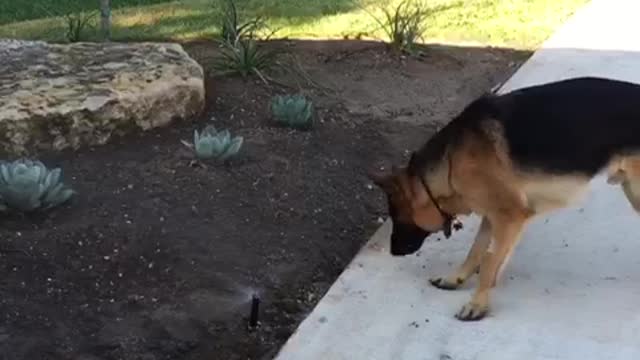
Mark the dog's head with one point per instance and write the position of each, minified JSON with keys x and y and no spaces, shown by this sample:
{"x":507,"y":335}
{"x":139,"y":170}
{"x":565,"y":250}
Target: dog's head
{"x":413,"y":213}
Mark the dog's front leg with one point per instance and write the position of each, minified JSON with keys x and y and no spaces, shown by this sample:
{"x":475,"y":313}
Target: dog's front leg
{"x":471,"y":263}
{"x":507,"y":230}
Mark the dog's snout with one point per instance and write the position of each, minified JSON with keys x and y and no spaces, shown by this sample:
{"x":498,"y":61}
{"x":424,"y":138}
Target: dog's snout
{"x":406,"y":239}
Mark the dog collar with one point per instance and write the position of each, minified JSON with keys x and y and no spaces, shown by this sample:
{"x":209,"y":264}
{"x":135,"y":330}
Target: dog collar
{"x":450,"y":221}
{"x":448,"y":218}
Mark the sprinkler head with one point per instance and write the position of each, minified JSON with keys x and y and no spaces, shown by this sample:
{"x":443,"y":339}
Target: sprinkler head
{"x":255,"y":308}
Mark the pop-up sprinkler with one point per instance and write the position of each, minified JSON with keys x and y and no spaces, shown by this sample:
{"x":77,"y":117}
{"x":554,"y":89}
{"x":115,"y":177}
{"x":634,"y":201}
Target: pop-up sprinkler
{"x":255,"y":308}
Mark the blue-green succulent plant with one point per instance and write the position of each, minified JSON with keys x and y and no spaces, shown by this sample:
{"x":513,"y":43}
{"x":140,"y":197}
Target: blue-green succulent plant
{"x":292,"y":110}
{"x":211,"y":143}
{"x":27,"y":185}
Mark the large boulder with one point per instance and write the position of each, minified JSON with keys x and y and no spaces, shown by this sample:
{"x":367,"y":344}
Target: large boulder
{"x":57,"y":96}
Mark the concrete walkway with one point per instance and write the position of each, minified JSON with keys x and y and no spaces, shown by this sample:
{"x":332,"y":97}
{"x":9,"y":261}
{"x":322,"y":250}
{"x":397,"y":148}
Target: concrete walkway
{"x":572,"y":289}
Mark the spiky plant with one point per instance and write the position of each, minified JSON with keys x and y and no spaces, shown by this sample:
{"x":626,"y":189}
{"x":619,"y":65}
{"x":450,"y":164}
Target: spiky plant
{"x":77,"y":23}
{"x":292,"y":110}
{"x":245,"y":57}
{"x":77,"y":19}
{"x":404,"y":25}
{"x":241,"y":53}
{"x":211,"y":143}
{"x":27,"y":185}
{"x":232,"y":28}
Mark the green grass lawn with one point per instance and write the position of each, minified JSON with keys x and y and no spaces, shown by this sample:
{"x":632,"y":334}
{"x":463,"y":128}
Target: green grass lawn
{"x":520,"y":24}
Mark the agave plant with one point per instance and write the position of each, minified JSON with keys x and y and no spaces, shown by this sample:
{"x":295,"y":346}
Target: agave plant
{"x":233,"y":28}
{"x":27,"y":185}
{"x":245,"y":57}
{"x":214,"y":144}
{"x":292,"y":110}
{"x":404,"y":25}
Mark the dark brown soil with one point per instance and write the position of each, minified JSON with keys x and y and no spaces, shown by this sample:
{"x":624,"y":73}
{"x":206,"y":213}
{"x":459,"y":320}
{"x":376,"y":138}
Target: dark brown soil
{"x":156,"y":258}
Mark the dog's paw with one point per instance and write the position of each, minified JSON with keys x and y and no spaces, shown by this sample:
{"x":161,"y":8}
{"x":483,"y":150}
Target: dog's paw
{"x":472,"y":312}
{"x":446,"y":283}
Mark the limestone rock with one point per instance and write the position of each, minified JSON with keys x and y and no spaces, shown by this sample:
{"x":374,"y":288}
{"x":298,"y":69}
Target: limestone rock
{"x":57,"y":96}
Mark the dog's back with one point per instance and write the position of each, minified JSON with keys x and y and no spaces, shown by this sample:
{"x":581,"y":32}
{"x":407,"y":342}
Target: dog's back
{"x":556,"y":135}
{"x":571,"y":126}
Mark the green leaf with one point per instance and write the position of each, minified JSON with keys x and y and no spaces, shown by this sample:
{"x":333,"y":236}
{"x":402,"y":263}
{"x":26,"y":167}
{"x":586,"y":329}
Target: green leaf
{"x":225,"y":137}
{"x":16,"y":168}
{"x":28,"y":185}
{"x":58,"y":195}
{"x":204,"y":148}
{"x":52,"y":194}
{"x":65,"y":195}
{"x":52,"y":178}
{"x":209,"y":130}
{"x":214,"y":143}
{"x":233,"y":148}
{"x":42,"y":170}
{"x":218,"y":145}
{"x":292,"y":110}
{"x":4,"y":170}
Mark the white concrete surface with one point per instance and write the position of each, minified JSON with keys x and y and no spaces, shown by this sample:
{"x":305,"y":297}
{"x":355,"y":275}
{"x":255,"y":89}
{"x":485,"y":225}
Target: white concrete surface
{"x":572,"y":289}
{"x":601,"y":39}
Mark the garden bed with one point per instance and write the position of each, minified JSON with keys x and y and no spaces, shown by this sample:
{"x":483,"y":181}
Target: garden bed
{"x":157,"y":256}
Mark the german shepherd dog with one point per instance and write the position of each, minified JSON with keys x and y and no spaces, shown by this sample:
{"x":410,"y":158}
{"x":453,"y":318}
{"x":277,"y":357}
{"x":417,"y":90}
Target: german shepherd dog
{"x":509,"y":158}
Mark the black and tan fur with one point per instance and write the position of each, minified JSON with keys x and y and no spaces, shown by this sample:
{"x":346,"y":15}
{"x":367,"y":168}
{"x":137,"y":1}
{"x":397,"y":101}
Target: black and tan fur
{"x":509,"y":158}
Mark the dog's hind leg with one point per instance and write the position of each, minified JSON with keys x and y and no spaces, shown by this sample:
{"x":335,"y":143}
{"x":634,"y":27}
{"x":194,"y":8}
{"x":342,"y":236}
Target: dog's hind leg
{"x":631,"y":189}
{"x":471,"y":263}
{"x":626,"y":172}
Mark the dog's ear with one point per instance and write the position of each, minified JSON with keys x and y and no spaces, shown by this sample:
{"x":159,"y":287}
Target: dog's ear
{"x":413,"y":163}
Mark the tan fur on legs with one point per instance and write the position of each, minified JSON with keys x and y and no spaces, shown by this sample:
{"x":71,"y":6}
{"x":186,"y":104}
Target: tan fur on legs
{"x":471,"y":263}
{"x":631,"y":189}
{"x":506,"y":233}
{"x":487,"y":182}
{"x":626,"y":172}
